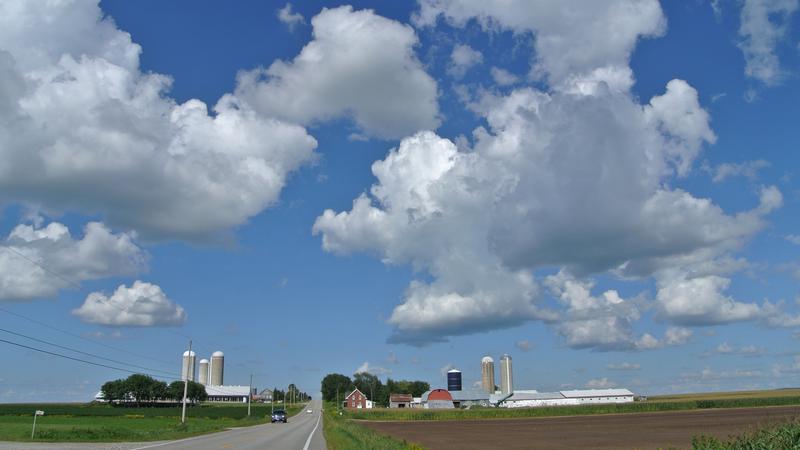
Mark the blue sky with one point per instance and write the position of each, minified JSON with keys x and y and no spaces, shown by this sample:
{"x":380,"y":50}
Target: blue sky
{"x":608,"y":193}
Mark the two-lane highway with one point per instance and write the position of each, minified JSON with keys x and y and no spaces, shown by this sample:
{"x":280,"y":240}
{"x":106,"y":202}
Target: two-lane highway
{"x":302,"y":432}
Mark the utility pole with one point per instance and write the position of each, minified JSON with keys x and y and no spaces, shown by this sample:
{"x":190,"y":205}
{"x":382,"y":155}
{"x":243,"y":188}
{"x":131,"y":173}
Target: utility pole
{"x":186,"y":384}
{"x":250,"y":395}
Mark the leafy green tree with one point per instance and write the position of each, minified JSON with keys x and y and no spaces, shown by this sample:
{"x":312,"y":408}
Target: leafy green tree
{"x":418,"y":388}
{"x":195,"y":392}
{"x":145,"y":389}
{"x":175,"y":391}
{"x":368,"y":383}
{"x":334,"y":382}
{"x":114,"y":391}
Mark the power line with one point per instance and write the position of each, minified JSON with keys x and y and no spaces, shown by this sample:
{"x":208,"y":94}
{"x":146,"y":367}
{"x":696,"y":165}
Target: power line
{"x":42,"y":266}
{"x":107,"y":301}
{"x":78,"y":336}
{"x":41,"y":341}
{"x":80,"y":360}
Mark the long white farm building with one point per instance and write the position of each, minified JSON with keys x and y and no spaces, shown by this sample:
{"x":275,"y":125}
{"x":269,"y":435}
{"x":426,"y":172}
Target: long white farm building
{"x":527,"y":399}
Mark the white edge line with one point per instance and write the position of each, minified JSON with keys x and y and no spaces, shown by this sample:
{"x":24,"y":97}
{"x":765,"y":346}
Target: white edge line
{"x":161,"y":444}
{"x":308,"y":441}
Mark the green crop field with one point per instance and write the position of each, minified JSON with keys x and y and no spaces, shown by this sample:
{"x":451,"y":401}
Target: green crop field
{"x":783,"y":436}
{"x":72,"y":422}
{"x":726,"y":395}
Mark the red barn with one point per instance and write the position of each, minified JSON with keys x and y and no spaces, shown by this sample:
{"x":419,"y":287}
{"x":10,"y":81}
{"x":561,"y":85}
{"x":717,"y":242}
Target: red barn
{"x":355,"y":400}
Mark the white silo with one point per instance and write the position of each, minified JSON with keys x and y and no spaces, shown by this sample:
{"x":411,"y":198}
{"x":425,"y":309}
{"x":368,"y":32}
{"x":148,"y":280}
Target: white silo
{"x":487,"y":374}
{"x":217,"y":369}
{"x":506,"y":375}
{"x":187,"y":370}
{"x":202,"y":374}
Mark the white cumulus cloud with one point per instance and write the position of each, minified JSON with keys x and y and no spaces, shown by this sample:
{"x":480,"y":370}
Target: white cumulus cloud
{"x":37,"y":262}
{"x":83,"y":128}
{"x":575,"y":176}
{"x":374,"y":370}
{"x":570,"y":37}
{"x":359,"y":65}
{"x":529,"y":194}
{"x":142,"y":305}
{"x":291,"y":19}
{"x":764,"y":24}
{"x":747,"y":169}
{"x":462,"y":59}
{"x":503,"y":77}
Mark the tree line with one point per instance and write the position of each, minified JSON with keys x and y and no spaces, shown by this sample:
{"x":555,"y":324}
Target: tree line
{"x":336,"y":386}
{"x":141,"y":390}
{"x":291,"y":394}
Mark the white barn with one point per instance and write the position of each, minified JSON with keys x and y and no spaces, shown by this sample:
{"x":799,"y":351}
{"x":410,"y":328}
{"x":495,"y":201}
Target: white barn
{"x":600,"y":395}
{"x":532,"y":399}
{"x":238,"y":394}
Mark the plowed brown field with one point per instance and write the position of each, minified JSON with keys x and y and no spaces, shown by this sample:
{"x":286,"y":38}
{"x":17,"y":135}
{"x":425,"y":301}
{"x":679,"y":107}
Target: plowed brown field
{"x":618,"y":431}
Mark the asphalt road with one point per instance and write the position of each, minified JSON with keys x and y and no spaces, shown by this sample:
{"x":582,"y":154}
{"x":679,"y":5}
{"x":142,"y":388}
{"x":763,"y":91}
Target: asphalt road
{"x":303,"y":432}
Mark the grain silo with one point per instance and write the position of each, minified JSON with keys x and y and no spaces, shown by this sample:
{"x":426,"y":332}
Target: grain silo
{"x":487,"y":374}
{"x":187,"y":369}
{"x":217,"y":369}
{"x":202,"y":374}
{"x":454,"y":380}
{"x":506,"y":375}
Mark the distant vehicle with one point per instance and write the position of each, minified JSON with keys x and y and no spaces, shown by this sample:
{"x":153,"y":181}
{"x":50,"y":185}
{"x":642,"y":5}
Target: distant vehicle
{"x":279,"y":415}
{"x":308,"y":411}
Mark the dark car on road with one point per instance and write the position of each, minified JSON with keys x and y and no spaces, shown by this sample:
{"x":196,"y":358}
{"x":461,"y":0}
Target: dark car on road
{"x":279,"y":415}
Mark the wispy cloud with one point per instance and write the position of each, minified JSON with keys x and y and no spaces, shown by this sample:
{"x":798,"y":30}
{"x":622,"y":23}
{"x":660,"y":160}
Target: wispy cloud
{"x":624,"y":366}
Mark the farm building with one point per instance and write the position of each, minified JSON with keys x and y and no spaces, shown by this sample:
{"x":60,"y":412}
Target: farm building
{"x":437,"y":399}
{"x":356,"y":400}
{"x":600,"y":395}
{"x":238,"y":394}
{"x":528,"y":399}
{"x":473,"y":397}
{"x":400,"y":400}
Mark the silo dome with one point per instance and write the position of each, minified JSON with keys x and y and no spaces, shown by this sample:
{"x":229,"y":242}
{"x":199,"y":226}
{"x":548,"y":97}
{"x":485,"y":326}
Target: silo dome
{"x":487,"y":359}
{"x":188,"y":366}
{"x":216,"y":369}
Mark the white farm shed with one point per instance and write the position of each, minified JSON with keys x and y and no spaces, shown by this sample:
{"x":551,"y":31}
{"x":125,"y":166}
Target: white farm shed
{"x":237,"y":394}
{"x":600,"y":395}
{"x":564,"y":398}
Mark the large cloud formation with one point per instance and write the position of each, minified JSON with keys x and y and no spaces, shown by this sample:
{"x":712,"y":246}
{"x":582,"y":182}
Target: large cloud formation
{"x":37,"y":262}
{"x":575,"y":177}
{"x":142,"y":304}
{"x":82,"y":128}
{"x":359,"y":65}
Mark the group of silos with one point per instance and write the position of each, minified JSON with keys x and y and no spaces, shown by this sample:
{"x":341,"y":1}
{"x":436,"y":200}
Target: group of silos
{"x":506,"y":375}
{"x":487,"y":376}
{"x":211,"y":372}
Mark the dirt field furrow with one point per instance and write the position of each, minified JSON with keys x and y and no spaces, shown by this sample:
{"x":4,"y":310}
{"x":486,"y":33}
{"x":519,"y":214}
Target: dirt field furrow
{"x":624,"y":431}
